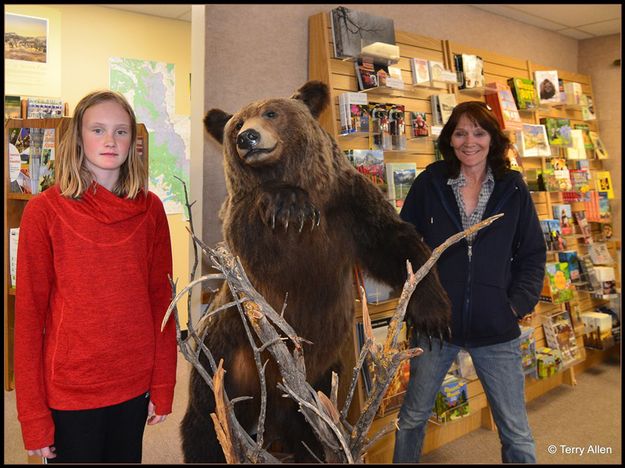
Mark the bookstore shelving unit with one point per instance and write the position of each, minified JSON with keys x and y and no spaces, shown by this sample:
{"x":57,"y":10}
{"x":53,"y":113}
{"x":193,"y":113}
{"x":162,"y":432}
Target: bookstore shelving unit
{"x":14,"y":204}
{"x":340,"y":77}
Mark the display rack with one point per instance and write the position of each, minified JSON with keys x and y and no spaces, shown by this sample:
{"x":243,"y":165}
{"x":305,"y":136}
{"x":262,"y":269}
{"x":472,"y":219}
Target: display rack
{"x":340,"y":77}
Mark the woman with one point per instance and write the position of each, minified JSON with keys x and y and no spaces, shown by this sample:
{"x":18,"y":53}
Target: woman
{"x":493,"y":277}
{"x":91,"y":364}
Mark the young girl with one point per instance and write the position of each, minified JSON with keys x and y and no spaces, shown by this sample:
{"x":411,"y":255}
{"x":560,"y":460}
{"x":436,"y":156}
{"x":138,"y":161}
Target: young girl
{"x":91,"y":364}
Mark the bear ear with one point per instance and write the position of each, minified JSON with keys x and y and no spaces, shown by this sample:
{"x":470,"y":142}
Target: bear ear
{"x":315,"y":94}
{"x":215,"y":122}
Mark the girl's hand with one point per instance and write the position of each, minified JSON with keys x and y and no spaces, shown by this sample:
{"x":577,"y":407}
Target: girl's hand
{"x":46,"y":452}
{"x":154,"y":418}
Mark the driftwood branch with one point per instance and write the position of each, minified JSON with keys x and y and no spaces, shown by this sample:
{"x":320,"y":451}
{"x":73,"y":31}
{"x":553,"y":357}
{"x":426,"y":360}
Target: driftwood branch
{"x":342,"y":442}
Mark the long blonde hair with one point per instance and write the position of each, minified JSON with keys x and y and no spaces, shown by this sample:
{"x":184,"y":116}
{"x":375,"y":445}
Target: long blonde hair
{"x":73,"y":176}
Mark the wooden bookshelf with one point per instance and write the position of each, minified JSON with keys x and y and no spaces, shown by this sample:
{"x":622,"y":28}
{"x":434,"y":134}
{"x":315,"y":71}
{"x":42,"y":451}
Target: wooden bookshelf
{"x":340,"y":77}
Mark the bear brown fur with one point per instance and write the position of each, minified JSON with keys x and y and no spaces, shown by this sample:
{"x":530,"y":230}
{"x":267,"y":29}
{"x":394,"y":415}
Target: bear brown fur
{"x":299,"y":217}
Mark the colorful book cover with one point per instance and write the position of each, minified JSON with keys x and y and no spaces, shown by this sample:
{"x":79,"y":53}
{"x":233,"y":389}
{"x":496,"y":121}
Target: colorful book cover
{"x":503,"y":105}
{"x":603,"y":183}
{"x":369,"y":163}
{"x":420,"y":71}
{"x":547,"y":86}
{"x":586,"y":135}
{"x":557,"y":287}
{"x":578,"y":147}
{"x":570,"y":257}
{"x":420,"y":127}
{"x":532,"y":141}
{"x":524,"y":92}
{"x":600,"y":150}
{"x":562,"y":212}
{"x":400,"y":177}
{"x":558,"y":131}
{"x":584,"y":227}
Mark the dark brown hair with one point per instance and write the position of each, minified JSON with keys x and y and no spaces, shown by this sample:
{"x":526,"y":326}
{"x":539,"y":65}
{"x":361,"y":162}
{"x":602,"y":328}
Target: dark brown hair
{"x":480,"y":114}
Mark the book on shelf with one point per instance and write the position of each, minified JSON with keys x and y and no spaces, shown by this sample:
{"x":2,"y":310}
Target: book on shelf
{"x":397,"y":126}
{"x":12,"y":107}
{"x":588,"y":109}
{"x":557,"y":287}
{"x":442,"y":107}
{"x":14,"y":236}
{"x":562,"y":212}
{"x":439,"y":74}
{"x":471,"y":69}
{"x":380,"y":126}
{"x":600,"y":150}
{"x":585,"y":128}
{"x":369,"y":163}
{"x":420,"y":70}
{"x":570,"y":257}
{"x":34,"y":162}
{"x":524,"y":92}
{"x":578,"y":148}
{"x":558,"y":131}
{"x":352,"y":30}
{"x":367,"y":73}
{"x":584,"y":227}
{"x":19,"y":148}
{"x":548,"y":362}
{"x":552,"y":233}
{"x":400,"y":177}
{"x":354,"y":112}
{"x":46,"y":170}
{"x":528,"y":351}
{"x":580,"y":182}
{"x":560,"y":335}
{"x":599,"y":254}
{"x":588,"y":274}
{"x":394,"y":395}
{"x":573,"y":92}
{"x":547,"y":86}
{"x":44,"y":108}
{"x":607,"y":280}
{"x":599,"y":323}
{"x":532,"y":141}
{"x":557,"y":177}
{"x":420,"y":127}
{"x":603,"y":183}
{"x":452,"y":400}
{"x":504,"y":107}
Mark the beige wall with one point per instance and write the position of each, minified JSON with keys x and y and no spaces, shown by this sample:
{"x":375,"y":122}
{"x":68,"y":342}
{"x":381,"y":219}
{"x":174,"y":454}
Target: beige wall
{"x":90,"y":35}
{"x":596,"y":58}
{"x":255,"y":51}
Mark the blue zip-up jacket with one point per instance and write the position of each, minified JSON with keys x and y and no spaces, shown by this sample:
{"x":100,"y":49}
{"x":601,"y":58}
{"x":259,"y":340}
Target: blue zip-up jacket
{"x":506,"y":267}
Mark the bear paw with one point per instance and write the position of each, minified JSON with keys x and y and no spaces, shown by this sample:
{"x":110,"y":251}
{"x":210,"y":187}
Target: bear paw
{"x":286,"y":206}
{"x":428,"y":325}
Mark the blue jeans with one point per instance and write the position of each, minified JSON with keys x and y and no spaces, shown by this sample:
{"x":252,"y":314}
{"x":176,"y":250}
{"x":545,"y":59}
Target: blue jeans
{"x":501,"y":374}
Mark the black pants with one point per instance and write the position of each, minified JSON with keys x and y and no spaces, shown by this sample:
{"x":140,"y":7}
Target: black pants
{"x":113,"y":434}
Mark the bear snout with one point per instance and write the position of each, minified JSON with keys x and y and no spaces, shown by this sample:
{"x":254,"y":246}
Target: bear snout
{"x":248,"y":139}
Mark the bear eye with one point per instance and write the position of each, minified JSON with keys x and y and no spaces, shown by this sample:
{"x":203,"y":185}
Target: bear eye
{"x":270,"y":114}
{"x":238,"y":125}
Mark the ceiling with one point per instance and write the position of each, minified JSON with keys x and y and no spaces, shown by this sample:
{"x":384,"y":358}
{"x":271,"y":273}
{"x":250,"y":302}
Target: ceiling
{"x":576,"y":21}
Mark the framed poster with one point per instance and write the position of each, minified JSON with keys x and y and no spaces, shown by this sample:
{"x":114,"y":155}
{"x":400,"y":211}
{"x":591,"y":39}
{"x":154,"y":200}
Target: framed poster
{"x":32,"y":55}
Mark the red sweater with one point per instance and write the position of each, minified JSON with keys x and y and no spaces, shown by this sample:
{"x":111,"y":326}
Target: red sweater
{"x":92,"y":289}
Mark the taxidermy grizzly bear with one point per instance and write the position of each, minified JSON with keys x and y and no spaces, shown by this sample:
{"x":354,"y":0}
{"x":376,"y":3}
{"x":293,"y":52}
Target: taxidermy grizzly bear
{"x":299,"y":216}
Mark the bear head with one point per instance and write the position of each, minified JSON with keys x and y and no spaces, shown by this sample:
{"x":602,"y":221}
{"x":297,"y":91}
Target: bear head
{"x":258,"y":132}
{"x":278,"y":140}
